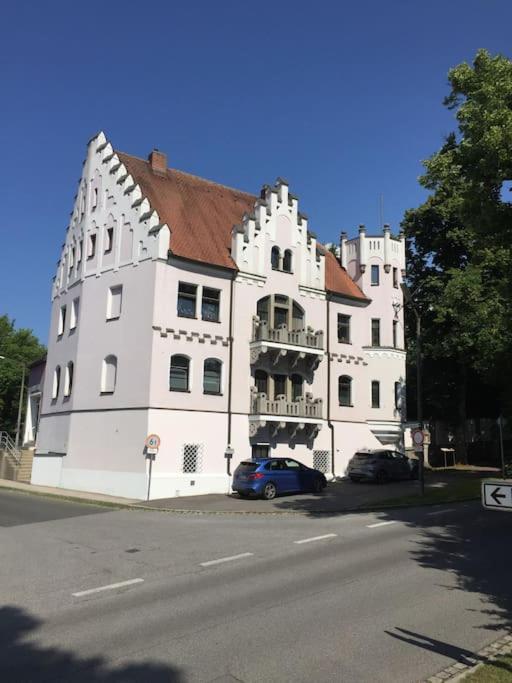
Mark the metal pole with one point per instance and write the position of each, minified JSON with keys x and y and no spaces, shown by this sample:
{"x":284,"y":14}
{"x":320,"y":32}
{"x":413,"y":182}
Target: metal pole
{"x":419,"y":402}
{"x":20,"y":407}
{"x":502,"y":452}
{"x":150,"y":471}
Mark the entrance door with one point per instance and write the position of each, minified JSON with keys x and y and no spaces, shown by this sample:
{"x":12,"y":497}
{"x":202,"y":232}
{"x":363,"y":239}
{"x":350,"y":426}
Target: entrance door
{"x":260,"y":450}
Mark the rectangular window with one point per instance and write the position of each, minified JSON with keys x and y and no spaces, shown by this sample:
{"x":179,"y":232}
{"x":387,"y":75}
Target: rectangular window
{"x":395,"y":333}
{"x":375,"y":332}
{"x":343,"y":328}
{"x":398,"y":397}
{"x":109,"y":240}
{"x":280,"y":316}
{"x":72,"y":258}
{"x":92,"y":246}
{"x":73,"y":318}
{"x":395,"y":277}
{"x":79,"y":254}
{"x":375,"y":394}
{"x":192,"y":457}
{"x":114,"y":301}
{"x":187,"y":300}
{"x":62,"y":321}
{"x":375,"y":276}
{"x":210,"y":304}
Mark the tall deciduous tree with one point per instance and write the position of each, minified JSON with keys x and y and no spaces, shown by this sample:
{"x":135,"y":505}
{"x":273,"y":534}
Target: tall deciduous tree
{"x":459,"y":239}
{"x":19,"y":347}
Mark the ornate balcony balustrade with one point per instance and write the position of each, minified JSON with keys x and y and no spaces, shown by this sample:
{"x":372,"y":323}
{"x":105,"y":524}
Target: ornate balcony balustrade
{"x":261,"y":331}
{"x":305,"y":406}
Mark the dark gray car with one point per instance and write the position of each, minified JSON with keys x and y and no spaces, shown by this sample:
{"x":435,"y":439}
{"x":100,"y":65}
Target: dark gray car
{"x":381,"y":466}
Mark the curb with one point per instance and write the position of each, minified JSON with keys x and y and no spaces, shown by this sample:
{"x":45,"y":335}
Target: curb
{"x":71,"y":499}
{"x":458,"y":672}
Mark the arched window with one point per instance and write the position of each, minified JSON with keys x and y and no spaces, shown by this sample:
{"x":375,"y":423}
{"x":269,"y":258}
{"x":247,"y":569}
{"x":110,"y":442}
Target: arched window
{"x":287,"y":261}
{"x":109,"y":375}
{"x":297,"y":386}
{"x":261,"y":381}
{"x":262,"y":308}
{"x":278,"y":310}
{"x":275,"y":257}
{"x":179,"y":374}
{"x":212,"y":376}
{"x":68,"y":380}
{"x":297,"y":317}
{"x":345,"y":390}
{"x":56,"y":382}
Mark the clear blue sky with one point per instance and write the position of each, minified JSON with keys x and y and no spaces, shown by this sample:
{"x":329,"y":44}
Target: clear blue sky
{"x":344,"y":99}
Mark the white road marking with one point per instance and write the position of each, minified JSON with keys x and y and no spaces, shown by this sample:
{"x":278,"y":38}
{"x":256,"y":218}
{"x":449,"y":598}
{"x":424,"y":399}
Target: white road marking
{"x":315,"y":538}
{"x":111,"y":586}
{"x":440,"y":512}
{"x":374,"y":526}
{"x":226,"y":559}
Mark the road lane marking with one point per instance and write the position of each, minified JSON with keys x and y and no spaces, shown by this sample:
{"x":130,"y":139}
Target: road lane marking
{"x":226,"y":559}
{"x":374,"y":526}
{"x":315,"y":538}
{"x":109,"y":587}
{"x":440,"y":512}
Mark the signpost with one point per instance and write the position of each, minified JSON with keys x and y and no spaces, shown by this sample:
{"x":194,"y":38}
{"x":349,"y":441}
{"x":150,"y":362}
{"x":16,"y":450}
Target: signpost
{"x":151,"y":444}
{"x":497,"y":494}
{"x":418,"y":440}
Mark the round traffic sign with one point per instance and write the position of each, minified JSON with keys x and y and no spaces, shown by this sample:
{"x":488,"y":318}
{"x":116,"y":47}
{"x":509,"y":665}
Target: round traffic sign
{"x":418,"y":437}
{"x":152,"y":441}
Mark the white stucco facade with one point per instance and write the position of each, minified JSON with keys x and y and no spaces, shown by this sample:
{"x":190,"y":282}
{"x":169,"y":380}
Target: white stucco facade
{"x":275,"y":340}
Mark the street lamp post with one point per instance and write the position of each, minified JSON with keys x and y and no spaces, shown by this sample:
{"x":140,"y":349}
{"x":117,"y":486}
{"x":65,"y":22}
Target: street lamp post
{"x":20,"y":405}
{"x":419,"y":385}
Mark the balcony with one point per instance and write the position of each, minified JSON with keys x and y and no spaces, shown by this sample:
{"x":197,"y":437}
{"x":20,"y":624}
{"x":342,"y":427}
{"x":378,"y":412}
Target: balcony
{"x":304,"y":414}
{"x":281,"y":343}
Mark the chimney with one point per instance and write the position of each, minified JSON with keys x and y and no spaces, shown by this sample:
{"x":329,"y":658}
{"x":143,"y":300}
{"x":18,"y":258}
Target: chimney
{"x":158,"y":162}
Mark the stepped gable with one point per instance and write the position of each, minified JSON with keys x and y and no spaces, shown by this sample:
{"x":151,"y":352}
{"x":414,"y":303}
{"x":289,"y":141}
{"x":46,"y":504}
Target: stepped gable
{"x":201,"y":215}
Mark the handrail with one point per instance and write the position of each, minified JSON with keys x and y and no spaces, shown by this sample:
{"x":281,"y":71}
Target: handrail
{"x":8,"y":445}
{"x":261,"y":331}
{"x":305,"y":406}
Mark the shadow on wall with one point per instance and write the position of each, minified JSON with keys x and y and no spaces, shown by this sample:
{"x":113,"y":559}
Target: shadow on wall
{"x":470,"y":543}
{"x":23,"y":660}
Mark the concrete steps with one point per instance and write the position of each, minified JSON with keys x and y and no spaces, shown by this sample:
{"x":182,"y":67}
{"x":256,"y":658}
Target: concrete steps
{"x":25,"y":468}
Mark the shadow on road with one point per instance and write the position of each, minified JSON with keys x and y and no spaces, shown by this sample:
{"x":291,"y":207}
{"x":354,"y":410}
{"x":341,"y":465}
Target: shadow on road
{"x":470,"y":543}
{"x":457,"y":654}
{"x":22,"y":659}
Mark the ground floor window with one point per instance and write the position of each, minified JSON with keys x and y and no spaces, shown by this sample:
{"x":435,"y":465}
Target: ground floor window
{"x":322,"y":460}
{"x":192,"y":457}
{"x":260,"y":450}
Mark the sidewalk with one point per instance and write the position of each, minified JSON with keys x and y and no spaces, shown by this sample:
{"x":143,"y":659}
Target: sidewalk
{"x":339,"y":497}
{"x":84,"y":496}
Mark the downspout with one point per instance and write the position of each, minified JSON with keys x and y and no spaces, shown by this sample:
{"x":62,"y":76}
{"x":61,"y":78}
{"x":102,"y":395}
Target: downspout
{"x":230,"y":372}
{"x":329,"y":423}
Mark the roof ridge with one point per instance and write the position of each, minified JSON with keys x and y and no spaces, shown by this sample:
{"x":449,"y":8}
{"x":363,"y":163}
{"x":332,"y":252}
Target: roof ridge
{"x":192,"y":175}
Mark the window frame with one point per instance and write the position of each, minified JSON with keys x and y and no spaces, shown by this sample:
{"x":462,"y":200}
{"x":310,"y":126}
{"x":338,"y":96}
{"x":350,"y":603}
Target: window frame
{"x":185,"y":390}
{"x":56,"y":383}
{"x":107,"y":388}
{"x":275,"y":251}
{"x":374,"y":269}
{"x":186,"y":296}
{"x":375,"y":393}
{"x":398,"y":395}
{"x":209,"y":299}
{"x":394,"y":333}
{"x":350,"y":403}
{"x":373,"y":328}
{"x":73,"y":316}
{"x":68,"y":379}
{"x":219,"y":365}
{"x":62,"y":321}
{"x":112,"y":292}
{"x":348,"y":320}
{"x":287,"y":260}
{"x":91,"y":246}
{"x":395,"y":277}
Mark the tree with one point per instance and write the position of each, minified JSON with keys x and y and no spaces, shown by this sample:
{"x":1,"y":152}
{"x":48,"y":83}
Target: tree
{"x":459,"y":254}
{"x":19,"y":347}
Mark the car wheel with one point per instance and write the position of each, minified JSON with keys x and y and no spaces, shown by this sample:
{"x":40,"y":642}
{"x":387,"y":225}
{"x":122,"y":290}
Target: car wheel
{"x":318,"y":486}
{"x":382,"y":477}
{"x":270,"y":491}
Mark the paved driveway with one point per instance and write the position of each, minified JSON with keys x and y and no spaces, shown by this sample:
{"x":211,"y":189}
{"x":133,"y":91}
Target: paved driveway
{"x":339,"y":496}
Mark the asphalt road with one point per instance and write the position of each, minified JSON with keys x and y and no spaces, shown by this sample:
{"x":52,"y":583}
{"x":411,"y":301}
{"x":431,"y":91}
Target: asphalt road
{"x":368,"y":597}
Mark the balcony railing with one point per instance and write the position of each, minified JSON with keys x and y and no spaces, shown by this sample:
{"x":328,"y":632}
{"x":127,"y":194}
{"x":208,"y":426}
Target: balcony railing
{"x":282,"y":335}
{"x":305,"y":406}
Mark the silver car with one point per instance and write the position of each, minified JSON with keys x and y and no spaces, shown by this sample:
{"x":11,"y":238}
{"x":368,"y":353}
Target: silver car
{"x":381,"y":466}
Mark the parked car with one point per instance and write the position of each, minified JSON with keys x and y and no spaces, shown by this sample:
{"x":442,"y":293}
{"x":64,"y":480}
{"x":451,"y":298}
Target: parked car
{"x":268,"y":477}
{"x":381,"y":466}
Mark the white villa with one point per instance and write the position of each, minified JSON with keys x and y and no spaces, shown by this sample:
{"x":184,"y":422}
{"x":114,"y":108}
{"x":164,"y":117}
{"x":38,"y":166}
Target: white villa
{"x":214,"y":319}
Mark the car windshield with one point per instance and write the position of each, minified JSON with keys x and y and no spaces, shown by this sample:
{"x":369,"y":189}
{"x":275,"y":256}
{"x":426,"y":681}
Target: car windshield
{"x":247,"y":466}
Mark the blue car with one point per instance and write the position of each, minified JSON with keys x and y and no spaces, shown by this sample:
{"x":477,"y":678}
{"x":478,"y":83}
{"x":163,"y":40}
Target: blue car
{"x":268,"y":477}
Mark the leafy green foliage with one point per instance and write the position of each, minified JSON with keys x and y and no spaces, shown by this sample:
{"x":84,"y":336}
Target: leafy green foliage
{"x":19,"y":347}
{"x":459,"y":239}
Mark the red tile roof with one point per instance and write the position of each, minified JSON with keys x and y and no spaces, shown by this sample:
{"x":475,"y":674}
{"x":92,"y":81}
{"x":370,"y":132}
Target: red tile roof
{"x":201,"y":214}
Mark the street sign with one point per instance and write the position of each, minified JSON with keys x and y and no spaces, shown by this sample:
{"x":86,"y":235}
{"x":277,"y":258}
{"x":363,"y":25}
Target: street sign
{"x":418,"y":439}
{"x":497,"y":494}
{"x":152,"y":444}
